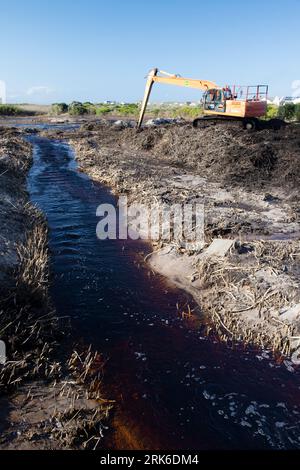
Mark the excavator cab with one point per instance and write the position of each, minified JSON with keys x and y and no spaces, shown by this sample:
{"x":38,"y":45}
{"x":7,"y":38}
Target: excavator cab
{"x":214,"y":100}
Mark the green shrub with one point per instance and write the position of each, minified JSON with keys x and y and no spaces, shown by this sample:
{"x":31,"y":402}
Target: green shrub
{"x":10,"y":110}
{"x":59,"y":108}
{"x":187,"y":111}
{"x":90,"y":107}
{"x":102,"y":109}
{"x":77,"y":109}
{"x":131,"y":109}
{"x":272,"y":111}
{"x":155,"y":112}
{"x":287,"y":111}
{"x":297,"y":112}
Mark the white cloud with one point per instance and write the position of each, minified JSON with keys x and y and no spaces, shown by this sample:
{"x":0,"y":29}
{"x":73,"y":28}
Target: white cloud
{"x":296,"y":87}
{"x":34,"y":90}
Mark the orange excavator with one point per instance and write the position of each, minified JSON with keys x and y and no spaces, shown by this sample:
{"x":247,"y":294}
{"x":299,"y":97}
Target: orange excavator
{"x":245,"y":104}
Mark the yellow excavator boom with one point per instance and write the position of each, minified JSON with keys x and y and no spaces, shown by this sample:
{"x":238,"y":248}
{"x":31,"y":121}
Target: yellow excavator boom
{"x":170,"y":79}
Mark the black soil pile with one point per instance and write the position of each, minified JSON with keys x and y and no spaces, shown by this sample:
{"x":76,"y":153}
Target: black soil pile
{"x":224,"y":152}
{"x":227,"y":153}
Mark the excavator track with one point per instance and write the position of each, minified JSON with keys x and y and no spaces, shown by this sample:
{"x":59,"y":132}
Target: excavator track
{"x":248,"y":124}
{"x":210,"y":121}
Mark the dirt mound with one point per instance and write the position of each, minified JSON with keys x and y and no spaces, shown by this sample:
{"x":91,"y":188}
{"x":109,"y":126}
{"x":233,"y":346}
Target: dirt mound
{"x":224,"y":152}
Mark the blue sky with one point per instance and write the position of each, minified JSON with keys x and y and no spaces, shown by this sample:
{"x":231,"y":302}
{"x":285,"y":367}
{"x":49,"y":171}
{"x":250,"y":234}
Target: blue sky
{"x":99,"y":50}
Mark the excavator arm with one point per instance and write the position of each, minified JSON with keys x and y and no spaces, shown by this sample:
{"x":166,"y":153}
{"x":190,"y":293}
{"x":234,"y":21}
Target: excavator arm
{"x":170,"y":80}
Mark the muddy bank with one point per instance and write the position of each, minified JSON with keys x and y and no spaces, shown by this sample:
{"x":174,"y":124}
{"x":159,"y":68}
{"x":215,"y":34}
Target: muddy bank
{"x":49,"y":394}
{"x":248,"y":183}
{"x":15,"y":160}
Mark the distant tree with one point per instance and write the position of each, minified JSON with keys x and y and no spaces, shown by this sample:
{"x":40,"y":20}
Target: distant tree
{"x":155,"y":112}
{"x":272,"y":111}
{"x":129,"y":109}
{"x":297,"y":112}
{"x":10,"y":110}
{"x":103,"y":109}
{"x":287,"y":111}
{"x":76,"y":108}
{"x":90,"y":107}
{"x":59,"y":108}
{"x":186,"y":111}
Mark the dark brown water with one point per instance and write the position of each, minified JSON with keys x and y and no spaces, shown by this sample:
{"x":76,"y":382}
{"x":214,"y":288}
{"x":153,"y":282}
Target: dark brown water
{"x":174,"y":387}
